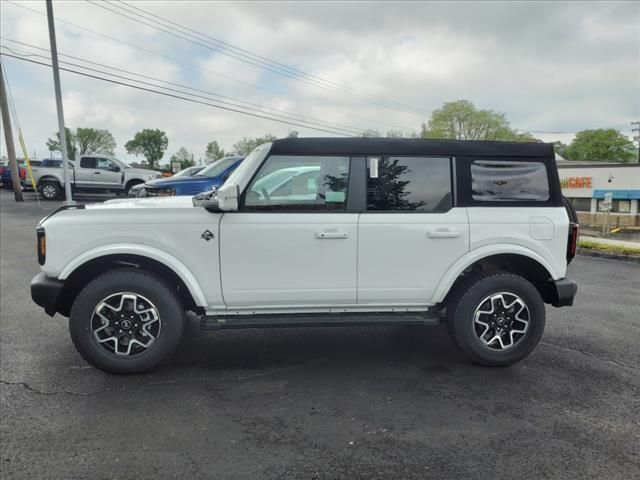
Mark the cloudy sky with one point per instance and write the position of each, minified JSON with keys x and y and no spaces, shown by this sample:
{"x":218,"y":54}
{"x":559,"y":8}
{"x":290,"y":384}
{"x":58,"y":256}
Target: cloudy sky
{"x":549,"y":66}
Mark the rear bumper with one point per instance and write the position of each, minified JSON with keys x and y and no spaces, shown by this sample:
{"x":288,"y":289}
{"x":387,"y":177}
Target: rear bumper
{"x":563,"y":292}
{"x":45,"y":292}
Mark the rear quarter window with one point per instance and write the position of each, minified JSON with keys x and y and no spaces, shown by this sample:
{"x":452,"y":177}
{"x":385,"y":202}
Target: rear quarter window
{"x":509,"y":181}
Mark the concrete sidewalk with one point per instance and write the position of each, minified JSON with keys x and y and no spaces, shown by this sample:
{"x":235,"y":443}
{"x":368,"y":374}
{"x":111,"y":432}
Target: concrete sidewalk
{"x":610,"y":241}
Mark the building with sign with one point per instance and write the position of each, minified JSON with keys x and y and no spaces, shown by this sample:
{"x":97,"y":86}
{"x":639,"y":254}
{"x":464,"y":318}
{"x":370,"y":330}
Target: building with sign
{"x":586,"y":184}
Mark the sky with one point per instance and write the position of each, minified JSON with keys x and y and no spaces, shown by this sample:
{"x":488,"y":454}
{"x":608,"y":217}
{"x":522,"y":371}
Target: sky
{"x":548,"y":66}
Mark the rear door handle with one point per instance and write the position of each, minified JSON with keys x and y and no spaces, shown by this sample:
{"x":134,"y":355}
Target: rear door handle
{"x":332,"y":234}
{"x":97,"y":173}
{"x":443,"y":233}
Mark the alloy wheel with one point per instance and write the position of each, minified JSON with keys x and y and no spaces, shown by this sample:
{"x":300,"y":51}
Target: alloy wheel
{"x":501,"y":321}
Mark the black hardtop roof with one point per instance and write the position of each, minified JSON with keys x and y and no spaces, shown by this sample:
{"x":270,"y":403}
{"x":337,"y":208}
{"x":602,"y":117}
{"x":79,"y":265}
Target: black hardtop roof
{"x":409,"y":146}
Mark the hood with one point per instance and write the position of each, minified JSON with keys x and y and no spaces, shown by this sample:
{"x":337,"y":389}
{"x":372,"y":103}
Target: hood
{"x":142,"y":171}
{"x":169,"y":181}
{"x":153,"y":202}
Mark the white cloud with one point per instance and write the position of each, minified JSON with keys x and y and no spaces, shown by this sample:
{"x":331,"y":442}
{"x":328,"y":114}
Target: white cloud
{"x":560,"y":66}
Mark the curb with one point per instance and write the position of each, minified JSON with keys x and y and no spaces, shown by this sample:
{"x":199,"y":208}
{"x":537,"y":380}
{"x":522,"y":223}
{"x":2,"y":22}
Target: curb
{"x":611,"y":256}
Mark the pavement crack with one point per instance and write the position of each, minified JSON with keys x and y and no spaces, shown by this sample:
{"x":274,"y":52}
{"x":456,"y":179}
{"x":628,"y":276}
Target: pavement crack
{"x":38,"y":391}
{"x":592,"y":355}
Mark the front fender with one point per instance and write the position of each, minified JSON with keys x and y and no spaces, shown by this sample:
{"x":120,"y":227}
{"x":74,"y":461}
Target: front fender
{"x":477,"y":254}
{"x":144,"y":251}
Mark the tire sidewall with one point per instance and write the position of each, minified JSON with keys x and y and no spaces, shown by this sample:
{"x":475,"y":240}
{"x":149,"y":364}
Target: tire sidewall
{"x":170,"y":310}
{"x":463,"y":321}
{"x":57,"y":188}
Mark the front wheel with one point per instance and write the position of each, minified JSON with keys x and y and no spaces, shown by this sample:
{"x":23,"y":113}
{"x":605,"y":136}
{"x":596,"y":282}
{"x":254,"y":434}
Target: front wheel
{"x":496,"y":319}
{"x":51,"y":190}
{"x":126,"y":321}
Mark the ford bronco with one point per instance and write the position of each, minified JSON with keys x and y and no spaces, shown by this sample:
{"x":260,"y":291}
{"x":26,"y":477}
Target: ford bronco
{"x":322,"y":231}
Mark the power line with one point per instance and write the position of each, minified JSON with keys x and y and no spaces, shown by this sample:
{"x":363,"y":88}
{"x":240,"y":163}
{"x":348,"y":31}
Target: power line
{"x":234,"y":102}
{"x":261,"y":64}
{"x":180,"y":97}
{"x":197,"y":67}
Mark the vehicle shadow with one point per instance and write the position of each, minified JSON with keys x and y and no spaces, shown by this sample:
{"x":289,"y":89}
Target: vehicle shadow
{"x":267,"y":348}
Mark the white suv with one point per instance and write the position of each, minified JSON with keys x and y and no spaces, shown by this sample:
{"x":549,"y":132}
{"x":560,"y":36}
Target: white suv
{"x":322,"y":231}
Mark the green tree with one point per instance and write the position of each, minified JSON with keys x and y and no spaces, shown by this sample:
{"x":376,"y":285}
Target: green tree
{"x":246,"y":144}
{"x":370,"y":133}
{"x":603,"y":145}
{"x":85,"y":141}
{"x":151,"y":143}
{"x":461,"y":120}
{"x":94,"y":140}
{"x":293,"y":134}
{"x":213,"y":152}
{"x":184,"y":157}
{"x":54,"y":143}
{"x":395,"y":134}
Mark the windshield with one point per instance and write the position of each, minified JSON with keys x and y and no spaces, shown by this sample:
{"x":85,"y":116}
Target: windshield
{"x":218,"y":167}
{"x":120,"y":163}
{"x":187,"y":172}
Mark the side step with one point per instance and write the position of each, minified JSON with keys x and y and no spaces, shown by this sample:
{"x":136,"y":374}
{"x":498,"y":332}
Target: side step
{"x":317,"y":320}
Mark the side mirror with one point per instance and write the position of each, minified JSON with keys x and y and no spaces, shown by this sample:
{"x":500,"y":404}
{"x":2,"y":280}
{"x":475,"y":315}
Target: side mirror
{"x":207,"y":200}
{"x":228,"y":196}
{"x":114,"y":168}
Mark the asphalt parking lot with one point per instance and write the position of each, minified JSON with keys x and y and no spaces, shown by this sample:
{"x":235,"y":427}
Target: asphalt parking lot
{"x":322,"y":403}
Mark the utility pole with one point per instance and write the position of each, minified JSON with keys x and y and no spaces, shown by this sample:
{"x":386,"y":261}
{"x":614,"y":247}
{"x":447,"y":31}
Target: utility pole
{"x":8,"y":136}
{"x":636,"y":138}
{"x":58,"y":90}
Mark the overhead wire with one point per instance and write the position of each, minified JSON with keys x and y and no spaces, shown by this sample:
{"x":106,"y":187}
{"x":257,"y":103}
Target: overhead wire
{"x":180,"y":97}
{"x":219,"y":74}
{"x":308,"y":122}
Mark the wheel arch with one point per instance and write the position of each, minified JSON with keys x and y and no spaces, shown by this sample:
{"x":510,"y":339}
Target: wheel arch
{"x":48,"y":178}
{"x":132,"y":182}
{"x":521,"y":261}
{"x":87,"y":267}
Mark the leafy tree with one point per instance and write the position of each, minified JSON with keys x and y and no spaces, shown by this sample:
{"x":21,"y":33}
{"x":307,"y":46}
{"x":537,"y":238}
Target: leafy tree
{"x":151,"y":143}
{"x":560,"y":148}
{"x":370,"y":133}
{"x":604,"y":145}
{"x":94,"y":140}
{"x":388,"y":189}
{"x":395,"y":134}
{"x":54,"y":143}
{"x":462,"y":121}
{"x":245,"y":145}
{"x":213,"y":152}
{"x":293,"y":134}
{"x":184,"y":157}
{"x":85,"y":141}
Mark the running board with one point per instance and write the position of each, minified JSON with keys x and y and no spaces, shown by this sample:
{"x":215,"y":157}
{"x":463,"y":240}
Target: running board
{"x":218,"y":322}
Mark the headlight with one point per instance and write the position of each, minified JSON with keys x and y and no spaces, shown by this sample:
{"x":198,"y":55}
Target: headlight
{"x":160,"y":192}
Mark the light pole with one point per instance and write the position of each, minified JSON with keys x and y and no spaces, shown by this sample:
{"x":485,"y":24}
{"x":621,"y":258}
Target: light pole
{"x":56,"y":85}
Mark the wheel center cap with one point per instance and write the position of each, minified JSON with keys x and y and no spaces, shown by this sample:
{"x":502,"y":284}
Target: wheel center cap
{"x":500,"y":321}
{"x":126,"y":324}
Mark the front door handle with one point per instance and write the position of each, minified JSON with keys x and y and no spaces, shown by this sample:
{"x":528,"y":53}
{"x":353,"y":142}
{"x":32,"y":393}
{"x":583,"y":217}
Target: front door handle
{"x":96,"y":173}
{"x":332,"y":234}
{"x":443,"y":233}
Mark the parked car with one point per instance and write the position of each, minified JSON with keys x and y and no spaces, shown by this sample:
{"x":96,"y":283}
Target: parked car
{"x":210,"y":177}
{"x":91,"y":173}
{"x":185,"y":172}
{"x":322,"y":232}
{"x":6,"y":177}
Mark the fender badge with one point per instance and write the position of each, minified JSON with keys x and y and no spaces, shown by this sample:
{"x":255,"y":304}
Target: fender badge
{"x":207,"y":235}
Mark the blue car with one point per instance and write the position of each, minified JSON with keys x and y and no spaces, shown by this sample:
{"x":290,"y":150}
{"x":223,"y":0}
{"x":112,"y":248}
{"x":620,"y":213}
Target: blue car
{"x":210,"y":177}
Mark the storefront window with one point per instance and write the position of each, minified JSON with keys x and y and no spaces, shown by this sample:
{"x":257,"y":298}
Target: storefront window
{"x":581,"y":204}
{"x":617,"y":206}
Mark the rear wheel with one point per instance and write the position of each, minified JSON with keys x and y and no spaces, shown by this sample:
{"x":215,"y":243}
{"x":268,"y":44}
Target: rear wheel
{"x":50,"y":190}
{"x":496,"y":319}
{"x":126,"y":321}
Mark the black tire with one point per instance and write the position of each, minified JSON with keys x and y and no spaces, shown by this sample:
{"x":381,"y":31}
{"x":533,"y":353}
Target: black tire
{"x":50,"y":190}
{"x":469,"y":296}
{"x":171,"y":318}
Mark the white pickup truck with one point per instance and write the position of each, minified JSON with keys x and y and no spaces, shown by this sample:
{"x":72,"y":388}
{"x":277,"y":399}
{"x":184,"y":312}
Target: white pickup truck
{"x":89,"y":173}
{"x":322,"y":231}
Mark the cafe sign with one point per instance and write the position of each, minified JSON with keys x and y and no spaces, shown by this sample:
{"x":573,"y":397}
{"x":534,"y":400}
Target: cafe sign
{"x":575,"y":182}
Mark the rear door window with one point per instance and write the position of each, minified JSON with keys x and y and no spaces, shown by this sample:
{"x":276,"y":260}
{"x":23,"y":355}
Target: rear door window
{"x":409,"y":184}
{"x":88,"y":162}
{"x":508,"y":181}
